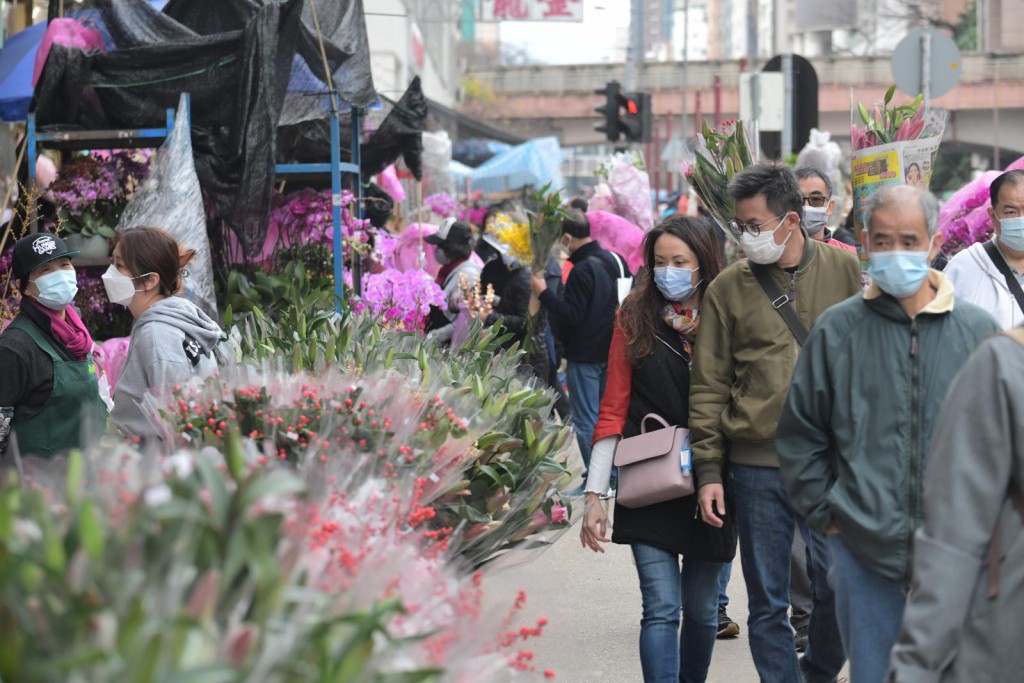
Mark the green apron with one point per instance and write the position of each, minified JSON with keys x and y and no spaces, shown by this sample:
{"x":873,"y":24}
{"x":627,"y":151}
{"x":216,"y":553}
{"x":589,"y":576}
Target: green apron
{"x":73,"y":411}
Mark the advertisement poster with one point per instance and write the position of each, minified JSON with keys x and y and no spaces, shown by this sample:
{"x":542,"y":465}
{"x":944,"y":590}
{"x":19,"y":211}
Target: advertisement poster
{"x":898,"y":163}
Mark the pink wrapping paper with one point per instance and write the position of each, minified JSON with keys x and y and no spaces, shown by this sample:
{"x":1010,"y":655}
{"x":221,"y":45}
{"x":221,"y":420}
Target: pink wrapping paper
{"x":69,"y":33}
{"x":109,"y":357}
{"x":619,"y":235}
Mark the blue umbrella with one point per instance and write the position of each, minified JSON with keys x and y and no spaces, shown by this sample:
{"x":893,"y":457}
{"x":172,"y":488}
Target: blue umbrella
{"x":17,"y":61}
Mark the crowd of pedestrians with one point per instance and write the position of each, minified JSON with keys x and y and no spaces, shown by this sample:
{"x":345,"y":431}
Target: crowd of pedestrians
{"x":863,"y":449}
{"x":863,"y":446}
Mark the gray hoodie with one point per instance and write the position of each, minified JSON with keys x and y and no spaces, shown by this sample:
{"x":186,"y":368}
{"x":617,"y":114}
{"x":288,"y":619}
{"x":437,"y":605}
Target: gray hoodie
{"x":172,"y":341}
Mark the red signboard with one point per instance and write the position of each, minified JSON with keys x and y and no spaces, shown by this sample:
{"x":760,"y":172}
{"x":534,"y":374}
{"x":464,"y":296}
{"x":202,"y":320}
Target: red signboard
{"x":531,"y":10}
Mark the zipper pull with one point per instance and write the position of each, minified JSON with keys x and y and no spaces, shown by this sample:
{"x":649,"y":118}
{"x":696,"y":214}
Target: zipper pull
{"x":913,"y":338}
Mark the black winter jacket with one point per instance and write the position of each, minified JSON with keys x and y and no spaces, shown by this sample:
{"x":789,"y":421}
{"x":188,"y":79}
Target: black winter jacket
{"x":584,"y":315}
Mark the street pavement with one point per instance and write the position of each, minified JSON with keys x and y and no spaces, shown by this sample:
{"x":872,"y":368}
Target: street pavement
{"x":592,"y":603}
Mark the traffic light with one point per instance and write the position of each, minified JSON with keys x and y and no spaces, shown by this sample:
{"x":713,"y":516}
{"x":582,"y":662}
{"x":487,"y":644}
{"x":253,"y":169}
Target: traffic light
{"x":638,"y":117}
{"x":625,"y":115}
{"x":611,"y":126}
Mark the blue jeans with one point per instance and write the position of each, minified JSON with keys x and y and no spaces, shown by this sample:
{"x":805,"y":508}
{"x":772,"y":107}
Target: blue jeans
{"x":869,"y":608}
{"x":723,"y":585}
{"x":669,"y":654}
{"x":765,"y":521}
{"x":586,"y":385}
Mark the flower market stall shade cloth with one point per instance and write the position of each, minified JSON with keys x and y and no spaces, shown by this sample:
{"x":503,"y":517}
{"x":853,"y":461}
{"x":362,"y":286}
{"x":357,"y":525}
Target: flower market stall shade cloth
{"x":964,"y":219}
{"x":534,"y":163}
{"x":398,"y":136}
{"x":235,"y":59}
{"x":170,"y":198}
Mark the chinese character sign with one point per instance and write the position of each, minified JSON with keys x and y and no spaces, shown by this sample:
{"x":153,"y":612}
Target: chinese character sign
{"x":531,"y":10}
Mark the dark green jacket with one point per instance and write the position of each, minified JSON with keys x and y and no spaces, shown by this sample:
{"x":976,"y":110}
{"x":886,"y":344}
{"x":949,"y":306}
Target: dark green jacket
{"x":745,"y":355}
{"x":854,"y":435}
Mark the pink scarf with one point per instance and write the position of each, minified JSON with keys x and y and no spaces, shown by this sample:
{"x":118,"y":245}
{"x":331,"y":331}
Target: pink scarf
{"x":70,"y":331}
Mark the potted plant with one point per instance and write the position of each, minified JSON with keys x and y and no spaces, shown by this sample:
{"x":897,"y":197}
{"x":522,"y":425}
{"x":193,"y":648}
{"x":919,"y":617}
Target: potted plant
{"x":91,"y":192}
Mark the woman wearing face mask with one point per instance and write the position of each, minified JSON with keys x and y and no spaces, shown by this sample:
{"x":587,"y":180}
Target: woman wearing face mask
{"x":49,"y":396}
{"x":453,"y":248}
{"x":172,"y":340}
{"x":649,"y":372}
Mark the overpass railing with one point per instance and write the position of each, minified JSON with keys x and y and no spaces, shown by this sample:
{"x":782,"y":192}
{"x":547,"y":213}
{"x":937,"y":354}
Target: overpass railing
{"x":839,"y":71}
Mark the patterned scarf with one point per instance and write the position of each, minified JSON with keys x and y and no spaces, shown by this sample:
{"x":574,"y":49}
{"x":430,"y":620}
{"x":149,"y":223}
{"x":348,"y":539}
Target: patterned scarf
{"x":684,"y":321}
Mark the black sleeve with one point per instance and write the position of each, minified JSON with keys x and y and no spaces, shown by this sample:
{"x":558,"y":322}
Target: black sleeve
{"x":515,"y":304}
{"x":13,"y":388}
{"x":570,"y":309}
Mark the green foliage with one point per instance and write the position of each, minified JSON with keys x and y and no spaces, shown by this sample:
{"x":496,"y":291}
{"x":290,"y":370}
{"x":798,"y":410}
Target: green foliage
{"x":304,"y":279}
{"x":519,"y":452}
{"x":965,"y":32}
{"x":202,"y":584}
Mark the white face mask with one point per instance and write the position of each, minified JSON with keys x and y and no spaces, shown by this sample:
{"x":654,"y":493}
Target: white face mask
{"x":120,"y":288}
{"x":762,"y":249}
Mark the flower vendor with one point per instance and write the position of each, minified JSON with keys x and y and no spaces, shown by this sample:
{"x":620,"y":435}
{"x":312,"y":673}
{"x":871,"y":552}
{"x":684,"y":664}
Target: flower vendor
{"x":454,"y":246}
{"x":49,"y":397}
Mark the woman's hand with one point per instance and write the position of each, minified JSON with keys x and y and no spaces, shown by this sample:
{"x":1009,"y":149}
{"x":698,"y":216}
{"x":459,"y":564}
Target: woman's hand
{"x":595,"y":524}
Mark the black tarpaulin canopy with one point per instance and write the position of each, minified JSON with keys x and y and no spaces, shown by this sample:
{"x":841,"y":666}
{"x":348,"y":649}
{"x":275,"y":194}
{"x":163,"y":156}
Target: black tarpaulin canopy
{"x":248,"y":65}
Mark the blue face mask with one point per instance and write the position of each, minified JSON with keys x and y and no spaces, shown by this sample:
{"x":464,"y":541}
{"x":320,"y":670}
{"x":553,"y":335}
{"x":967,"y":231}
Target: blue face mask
{"x":57,"y":289}
{"x":675,"y":284}
{"x":899,"y":273}
{"x":1012,"y":232}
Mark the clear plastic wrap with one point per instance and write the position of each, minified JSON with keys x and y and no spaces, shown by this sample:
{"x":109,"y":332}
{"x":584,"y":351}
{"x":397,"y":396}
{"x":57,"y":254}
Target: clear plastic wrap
{"x":170,"y":198}
{"x":437,"y":157}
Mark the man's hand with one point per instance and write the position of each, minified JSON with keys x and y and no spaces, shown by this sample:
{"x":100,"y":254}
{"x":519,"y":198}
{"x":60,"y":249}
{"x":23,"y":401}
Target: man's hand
{"x":832,"y":530}
{"x":712,"y":497}
{"x":538,"y":284}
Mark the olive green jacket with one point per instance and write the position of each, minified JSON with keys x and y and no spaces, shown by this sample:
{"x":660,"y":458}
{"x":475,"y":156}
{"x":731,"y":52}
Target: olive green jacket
{"x":745,"y":354}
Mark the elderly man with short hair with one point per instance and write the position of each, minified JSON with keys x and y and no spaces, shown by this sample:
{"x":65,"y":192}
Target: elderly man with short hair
{"x":854,"y":435}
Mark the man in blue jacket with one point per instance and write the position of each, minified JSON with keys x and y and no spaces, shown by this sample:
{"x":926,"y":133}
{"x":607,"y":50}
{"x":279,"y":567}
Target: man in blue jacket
{"x":582,"y":317}
{"x":854,"y":434}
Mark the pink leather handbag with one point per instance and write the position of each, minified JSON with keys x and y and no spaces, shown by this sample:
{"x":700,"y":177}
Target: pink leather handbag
{"x":654,"y":466}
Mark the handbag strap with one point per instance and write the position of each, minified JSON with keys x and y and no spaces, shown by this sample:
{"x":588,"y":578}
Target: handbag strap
{"x":781,"y":303}
{"x":1004,"y":269}
{"x":651,"y":416}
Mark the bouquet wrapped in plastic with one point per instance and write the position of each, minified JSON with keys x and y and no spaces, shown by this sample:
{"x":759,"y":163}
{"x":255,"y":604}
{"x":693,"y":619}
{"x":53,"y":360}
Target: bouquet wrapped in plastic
{"x":964,"y":218}
{"x":897,"y":146}
{"x":720,"y":154}
{"x":631,"y":188}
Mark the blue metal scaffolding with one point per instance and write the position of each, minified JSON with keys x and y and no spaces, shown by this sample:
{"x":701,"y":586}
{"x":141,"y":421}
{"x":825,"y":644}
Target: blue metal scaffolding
{"x":153,"y":137}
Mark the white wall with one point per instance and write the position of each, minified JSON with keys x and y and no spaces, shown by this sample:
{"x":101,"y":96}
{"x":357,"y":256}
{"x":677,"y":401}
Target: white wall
{"x":391,"y":56}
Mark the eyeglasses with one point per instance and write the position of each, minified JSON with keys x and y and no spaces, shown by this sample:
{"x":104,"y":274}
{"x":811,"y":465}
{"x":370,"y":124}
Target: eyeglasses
{"x":816,"y":200}
{"x":752,"y":229}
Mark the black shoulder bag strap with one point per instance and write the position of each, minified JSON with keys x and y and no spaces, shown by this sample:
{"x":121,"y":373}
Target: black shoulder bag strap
{"x":781,"y":303}
{"x":1004,"y":269}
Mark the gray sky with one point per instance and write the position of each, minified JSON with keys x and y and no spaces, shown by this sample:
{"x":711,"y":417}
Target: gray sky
{"x":588,"y":42}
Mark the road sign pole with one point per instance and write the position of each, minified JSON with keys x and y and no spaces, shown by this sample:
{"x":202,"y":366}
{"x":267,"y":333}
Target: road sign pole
{"x":926,"y":67}
{"x":787,"y":110}
{"x":755,"y":106}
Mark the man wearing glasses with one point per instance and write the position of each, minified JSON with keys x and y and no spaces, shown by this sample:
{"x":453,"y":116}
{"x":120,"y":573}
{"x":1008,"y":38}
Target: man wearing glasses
{"x":816,"y":189}
{"x":753,"y":320}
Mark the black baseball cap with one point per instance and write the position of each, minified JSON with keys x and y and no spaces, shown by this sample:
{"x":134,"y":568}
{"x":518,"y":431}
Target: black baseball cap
{"x":34,"y":250}
{"x":452,"y":232}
